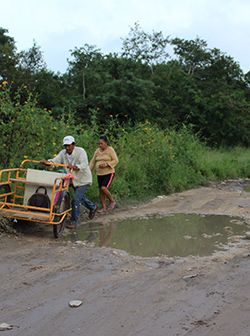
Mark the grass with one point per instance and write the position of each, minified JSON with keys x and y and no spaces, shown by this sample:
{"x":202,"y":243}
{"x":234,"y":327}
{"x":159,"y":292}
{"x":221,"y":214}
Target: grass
{"x":225,"y":163}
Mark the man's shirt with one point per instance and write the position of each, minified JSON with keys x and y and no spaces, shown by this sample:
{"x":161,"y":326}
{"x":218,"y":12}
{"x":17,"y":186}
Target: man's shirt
{"x":77,"y":158}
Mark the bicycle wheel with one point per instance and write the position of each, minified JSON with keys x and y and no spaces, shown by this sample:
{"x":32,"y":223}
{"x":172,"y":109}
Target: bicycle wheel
{"x":62,"y":205}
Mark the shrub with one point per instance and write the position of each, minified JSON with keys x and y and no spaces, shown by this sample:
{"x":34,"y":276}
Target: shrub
{"x":152,"y":160}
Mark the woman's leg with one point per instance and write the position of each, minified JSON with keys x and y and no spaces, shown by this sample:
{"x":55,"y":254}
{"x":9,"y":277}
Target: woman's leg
{"x":104,"y":183}
{"x":102,"y":196}
{"x":103,"y":200}
{"x":107,"y":194}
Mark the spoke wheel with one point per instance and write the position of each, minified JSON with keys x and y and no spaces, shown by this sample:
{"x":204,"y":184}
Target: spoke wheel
{"x":62,"y":205}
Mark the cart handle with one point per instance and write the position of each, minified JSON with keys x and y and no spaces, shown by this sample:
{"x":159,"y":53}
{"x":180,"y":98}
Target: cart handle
{"x":36,"y":161}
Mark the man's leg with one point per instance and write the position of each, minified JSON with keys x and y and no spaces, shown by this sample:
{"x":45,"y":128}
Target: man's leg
{"x":80,"y":198}
{"x":81,"y":195}
{"x":75,"y":204}
{"x":73,"y":213}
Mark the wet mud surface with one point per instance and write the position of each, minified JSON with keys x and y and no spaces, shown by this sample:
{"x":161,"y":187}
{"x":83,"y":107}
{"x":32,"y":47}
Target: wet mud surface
{"x":124,"y":294}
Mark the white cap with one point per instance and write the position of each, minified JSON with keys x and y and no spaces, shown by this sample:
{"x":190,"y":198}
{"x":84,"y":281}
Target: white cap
{"x":68,"y":140}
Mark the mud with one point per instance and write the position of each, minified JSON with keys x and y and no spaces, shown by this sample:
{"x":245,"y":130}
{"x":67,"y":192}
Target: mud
{"x":124,"y":294}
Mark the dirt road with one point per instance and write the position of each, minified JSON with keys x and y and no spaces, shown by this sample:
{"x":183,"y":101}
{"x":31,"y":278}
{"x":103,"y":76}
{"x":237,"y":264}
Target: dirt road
{"x":125,"y":295}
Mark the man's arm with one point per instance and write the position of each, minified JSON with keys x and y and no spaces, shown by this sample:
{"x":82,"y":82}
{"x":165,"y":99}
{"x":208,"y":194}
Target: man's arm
{"x":83,"y":161}
{"x":57,"y":159}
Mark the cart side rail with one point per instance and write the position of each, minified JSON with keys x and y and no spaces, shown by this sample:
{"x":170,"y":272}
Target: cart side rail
{"x":9,"y":172}
{"x":52,"y":164}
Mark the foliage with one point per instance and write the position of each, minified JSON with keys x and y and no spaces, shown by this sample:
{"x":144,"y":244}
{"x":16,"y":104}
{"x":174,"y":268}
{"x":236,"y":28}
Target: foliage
{"x":199,"y":87}
{"x":152,"y":160}
{"x":8,"y":55}
{"x":148,"y":48}
{"x":27,"y":130}
{"x":32,"y":59}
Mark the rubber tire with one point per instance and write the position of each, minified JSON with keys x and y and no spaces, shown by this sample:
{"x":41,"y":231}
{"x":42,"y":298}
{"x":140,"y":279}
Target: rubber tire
{"x":64,"y":205}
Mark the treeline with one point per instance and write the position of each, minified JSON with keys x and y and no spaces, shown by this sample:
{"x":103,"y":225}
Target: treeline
{"x":169,"y":82}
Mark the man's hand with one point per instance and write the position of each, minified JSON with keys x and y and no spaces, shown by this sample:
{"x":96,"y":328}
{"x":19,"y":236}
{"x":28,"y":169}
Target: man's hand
{"x":72,"y":167}
{"x":46,"y":162}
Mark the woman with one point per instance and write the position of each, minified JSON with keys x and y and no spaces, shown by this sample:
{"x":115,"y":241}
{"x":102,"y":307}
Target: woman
{"x":104,"y":161}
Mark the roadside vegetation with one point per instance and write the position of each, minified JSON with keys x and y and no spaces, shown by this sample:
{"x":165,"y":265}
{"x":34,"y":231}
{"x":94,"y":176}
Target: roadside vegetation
{"x":176,"y":121}
{"x":152,"y":160}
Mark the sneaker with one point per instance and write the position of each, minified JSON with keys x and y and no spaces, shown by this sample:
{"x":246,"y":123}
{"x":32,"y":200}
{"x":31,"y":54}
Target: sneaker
{"x":102,"y":211}
{"x":112,"y":205}
{"x":92,"y":212}
{"x":71,"y":226}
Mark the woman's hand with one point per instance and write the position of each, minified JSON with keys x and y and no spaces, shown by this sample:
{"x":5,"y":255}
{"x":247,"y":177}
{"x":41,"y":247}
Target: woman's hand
{"x":103,"y":165}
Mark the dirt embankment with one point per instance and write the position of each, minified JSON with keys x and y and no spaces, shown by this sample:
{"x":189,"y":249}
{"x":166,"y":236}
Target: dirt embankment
{"x":126,"y":295}
{"x":225,"y":198}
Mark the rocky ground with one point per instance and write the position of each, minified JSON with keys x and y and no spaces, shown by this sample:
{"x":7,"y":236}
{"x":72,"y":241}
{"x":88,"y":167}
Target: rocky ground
{"x":123,"y":294}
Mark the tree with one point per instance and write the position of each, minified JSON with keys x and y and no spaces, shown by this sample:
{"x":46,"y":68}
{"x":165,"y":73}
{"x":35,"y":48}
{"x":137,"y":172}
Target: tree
{"x":8,"y":56}
{"x":192,"y":54}
{"x":116,"y":86}
{"x":81,"y":60}
{"x":198,"y":86}
{"x":176,"y":93}
{"x":32,"y":60}
{"x":220,"y":109}
{"x":149,"y":48}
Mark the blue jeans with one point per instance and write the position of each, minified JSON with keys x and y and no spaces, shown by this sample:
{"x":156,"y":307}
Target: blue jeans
{"x":80,"y":198}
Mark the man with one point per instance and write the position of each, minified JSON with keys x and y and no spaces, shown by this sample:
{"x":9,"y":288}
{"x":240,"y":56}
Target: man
{"x":76,"y":160}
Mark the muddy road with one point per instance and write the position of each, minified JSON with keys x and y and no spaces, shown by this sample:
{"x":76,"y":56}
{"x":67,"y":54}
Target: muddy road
{"x":128,"y":295}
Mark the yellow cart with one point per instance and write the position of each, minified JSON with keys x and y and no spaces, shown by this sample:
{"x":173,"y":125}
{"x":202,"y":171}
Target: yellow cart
{"x":17,"y":185}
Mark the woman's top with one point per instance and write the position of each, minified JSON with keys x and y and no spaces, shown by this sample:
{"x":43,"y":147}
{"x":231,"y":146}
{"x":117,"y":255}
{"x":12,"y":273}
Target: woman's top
{"x":107,"y":157}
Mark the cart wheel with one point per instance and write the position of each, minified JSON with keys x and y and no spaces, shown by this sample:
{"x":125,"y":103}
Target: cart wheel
{"x":62,"y":205}
{"x":4,"y":189}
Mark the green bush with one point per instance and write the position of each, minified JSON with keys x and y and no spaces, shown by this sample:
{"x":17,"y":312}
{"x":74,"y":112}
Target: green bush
{"x":152,"y":160}
{"x":28,"y":131}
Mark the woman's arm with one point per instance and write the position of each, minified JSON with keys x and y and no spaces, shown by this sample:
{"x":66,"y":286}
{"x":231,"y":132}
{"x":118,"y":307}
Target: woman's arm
{"x":93,"y":161}
{"x":114,"y":159}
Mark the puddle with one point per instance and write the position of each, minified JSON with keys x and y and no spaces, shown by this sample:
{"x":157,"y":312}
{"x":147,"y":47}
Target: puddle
{"x":247,"y":189}
{"x":176,"y":235}
{"x":246,"y":186}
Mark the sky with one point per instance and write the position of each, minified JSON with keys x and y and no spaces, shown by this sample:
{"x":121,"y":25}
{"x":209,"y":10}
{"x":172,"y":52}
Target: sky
{"x":60,"y":25}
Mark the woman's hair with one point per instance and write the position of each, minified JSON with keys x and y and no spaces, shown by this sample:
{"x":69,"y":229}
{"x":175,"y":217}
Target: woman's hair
{"x":104,"y":138}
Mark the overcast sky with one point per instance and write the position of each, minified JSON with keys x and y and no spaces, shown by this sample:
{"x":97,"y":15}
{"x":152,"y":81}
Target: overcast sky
{"x":60,"y":25}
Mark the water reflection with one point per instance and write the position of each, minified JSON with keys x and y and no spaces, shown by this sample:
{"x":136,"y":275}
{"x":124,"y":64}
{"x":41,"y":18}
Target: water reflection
{"x":178,"y":235}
